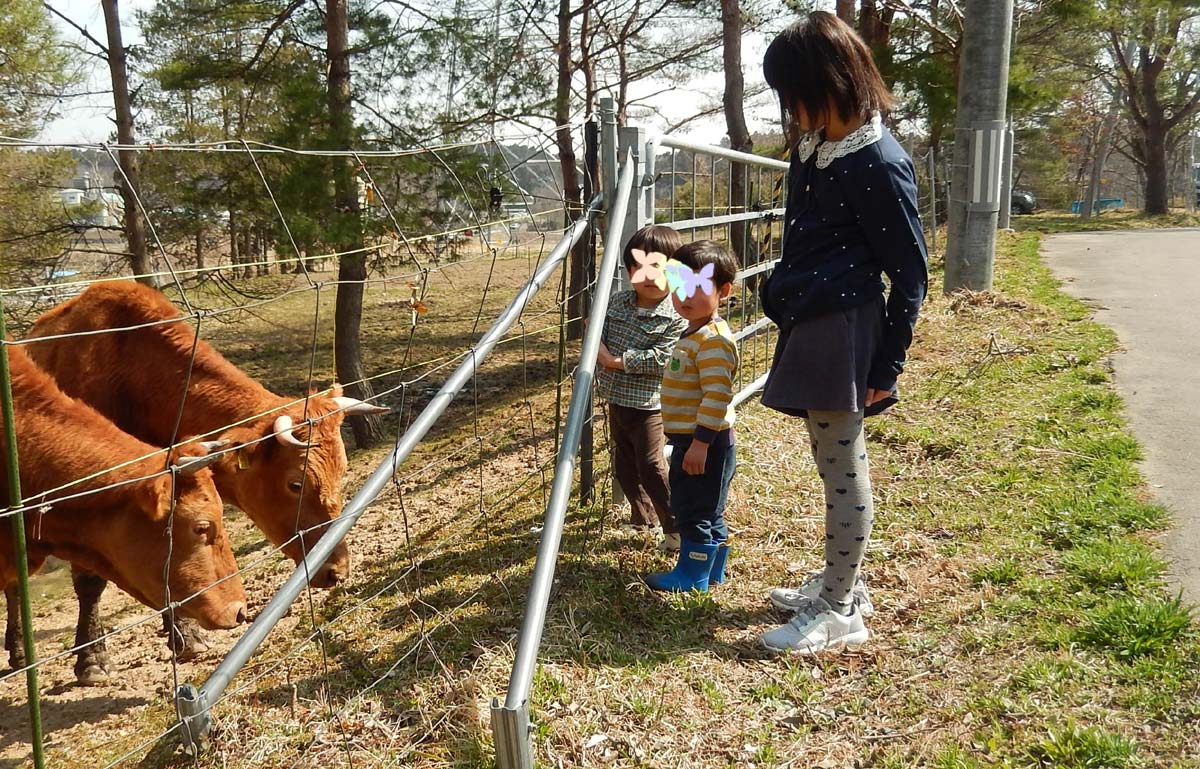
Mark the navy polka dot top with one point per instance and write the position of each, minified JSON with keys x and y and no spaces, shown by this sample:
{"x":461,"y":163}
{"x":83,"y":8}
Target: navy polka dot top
{"x":851,"y":218}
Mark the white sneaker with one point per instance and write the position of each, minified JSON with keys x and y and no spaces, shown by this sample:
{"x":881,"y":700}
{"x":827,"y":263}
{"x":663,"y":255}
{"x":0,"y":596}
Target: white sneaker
{"x":669,"y":543}
{"x":817,"y":628}
{"x":794,"y":598}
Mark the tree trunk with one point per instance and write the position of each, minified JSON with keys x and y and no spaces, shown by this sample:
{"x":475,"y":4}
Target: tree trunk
{"x":845,"y":11}
{"x":875,"y":26}
{"x":1156,"y":167}
{"x":735,"y":124}
{"x":566,"y":161}
{"x":1103,"y":145}
{"x":247,"y":251}
{"x":234,"y":231}
{"x":135,"y":233}
{"x":200,"y":250}
{"x":352,"y":269}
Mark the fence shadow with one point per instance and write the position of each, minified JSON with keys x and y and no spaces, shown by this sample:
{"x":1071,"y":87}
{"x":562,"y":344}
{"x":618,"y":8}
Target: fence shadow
{"x":56,"y":715}
{"x":600,"y":613}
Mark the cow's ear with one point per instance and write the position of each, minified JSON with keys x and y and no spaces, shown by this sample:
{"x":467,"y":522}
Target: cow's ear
{"x":246,"y":453}
{"x":335,"y":391}
{"x":155,"y":497}
{"x":244,"y":445}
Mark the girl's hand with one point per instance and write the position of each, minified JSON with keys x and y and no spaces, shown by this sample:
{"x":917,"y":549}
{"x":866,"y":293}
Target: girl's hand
{"x":874,"y":396}
{"x":696,"y":458}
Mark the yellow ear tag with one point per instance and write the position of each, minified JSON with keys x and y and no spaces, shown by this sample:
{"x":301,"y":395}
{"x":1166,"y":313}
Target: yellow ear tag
{"x":243,"y":462}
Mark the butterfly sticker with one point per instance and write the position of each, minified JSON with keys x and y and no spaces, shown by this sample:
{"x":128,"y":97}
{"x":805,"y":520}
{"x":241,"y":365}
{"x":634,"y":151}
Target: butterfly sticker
{"x":651,"y":268}
{"x":684,"y":281}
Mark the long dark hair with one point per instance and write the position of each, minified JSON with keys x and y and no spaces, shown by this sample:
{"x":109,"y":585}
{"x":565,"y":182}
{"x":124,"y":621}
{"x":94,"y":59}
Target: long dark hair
{"x":819,"y":60}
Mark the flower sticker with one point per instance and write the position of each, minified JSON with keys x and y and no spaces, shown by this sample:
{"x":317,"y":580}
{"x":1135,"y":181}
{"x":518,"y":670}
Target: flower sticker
{"x":684,"y":281}
{"x":651,"y":267}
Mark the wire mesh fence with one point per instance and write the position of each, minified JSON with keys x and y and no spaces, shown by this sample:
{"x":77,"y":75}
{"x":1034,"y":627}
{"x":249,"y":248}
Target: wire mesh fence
{"x":449,"y":238}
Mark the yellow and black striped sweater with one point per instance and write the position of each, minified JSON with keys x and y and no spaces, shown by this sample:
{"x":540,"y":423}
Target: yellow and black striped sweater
{"x":698,"y":383}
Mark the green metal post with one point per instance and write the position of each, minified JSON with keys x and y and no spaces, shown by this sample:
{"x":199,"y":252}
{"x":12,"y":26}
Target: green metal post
{"x":18,"y":527}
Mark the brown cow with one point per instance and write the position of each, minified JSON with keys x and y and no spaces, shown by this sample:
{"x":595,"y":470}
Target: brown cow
{"x":118,"y":530}
{"x":136,"y":378}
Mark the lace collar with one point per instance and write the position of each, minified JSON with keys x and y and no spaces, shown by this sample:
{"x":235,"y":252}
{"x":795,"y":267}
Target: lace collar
{"x":827,"y":152}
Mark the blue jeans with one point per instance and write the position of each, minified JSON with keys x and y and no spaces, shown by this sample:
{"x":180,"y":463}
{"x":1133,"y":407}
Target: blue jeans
{"x":698,"y":501}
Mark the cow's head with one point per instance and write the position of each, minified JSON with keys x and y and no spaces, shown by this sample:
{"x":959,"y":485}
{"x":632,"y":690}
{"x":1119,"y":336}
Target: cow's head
{"x":201,"y":572}
{"x":286,"y":471}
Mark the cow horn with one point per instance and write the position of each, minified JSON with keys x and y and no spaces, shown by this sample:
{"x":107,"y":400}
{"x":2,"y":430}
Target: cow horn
{"x":352,"y":406}
{"x":211,"y":446}
{"x":189,"y":465}
{"x":283,"y":432}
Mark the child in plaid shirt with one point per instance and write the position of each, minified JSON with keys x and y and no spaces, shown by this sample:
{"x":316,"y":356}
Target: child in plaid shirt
{"x":640,"y":331}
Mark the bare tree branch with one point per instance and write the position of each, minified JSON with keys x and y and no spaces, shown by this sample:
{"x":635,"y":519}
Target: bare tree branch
{"x":103,"y":48}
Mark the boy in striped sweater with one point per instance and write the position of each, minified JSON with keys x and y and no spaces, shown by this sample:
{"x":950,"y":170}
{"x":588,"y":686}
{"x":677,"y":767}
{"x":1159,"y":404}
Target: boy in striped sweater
{"x":697,"y":416}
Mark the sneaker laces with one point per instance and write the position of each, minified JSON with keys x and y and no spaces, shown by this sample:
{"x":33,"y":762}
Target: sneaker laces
{"x":808,"y":613}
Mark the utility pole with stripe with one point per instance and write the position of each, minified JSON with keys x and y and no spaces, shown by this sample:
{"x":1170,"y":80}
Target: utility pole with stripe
{"x":979,"y":139}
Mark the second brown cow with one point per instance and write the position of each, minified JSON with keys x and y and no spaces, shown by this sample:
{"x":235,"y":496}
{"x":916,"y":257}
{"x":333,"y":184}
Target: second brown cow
{"x":107,"y":505}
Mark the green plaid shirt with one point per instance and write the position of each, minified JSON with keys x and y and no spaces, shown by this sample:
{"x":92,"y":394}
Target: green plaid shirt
{"x":643,"y":338}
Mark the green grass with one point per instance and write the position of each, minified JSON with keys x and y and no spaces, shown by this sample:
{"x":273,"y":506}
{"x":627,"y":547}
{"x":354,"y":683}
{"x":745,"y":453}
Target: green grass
{"x":1124,"y":219}
{"x":1131,"y":627}
{"x":1000,"y":573}
{"x":1075,"y":747}
{"x":1120,"y":564}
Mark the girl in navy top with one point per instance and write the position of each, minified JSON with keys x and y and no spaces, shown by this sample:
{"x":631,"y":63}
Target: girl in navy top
{"x":851,"y":220}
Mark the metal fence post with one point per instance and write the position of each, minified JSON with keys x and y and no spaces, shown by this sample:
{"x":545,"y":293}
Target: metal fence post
{"x":13,"y":469}
{"x":608,"y":170}
{"x":608,"y":148}
{"x":639,"y":213}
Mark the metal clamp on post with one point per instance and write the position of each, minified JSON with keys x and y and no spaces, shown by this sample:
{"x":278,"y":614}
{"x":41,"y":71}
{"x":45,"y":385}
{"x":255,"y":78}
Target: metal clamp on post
{"x":985,"y":165}
{"x":511,"y":733}
{"x":194,"y":718}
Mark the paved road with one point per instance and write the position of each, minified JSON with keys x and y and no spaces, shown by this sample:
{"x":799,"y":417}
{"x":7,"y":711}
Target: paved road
{"x":1146,"y":285}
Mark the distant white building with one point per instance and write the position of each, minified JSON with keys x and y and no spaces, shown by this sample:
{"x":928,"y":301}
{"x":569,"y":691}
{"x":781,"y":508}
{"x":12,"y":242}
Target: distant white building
{"x":109,"y":212}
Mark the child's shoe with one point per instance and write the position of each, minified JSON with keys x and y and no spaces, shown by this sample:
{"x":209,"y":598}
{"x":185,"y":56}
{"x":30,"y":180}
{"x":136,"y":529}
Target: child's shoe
{"x":794,"y":598}
{"x":690,"y":573}
{"x":717,"y":576}
{"x":669,"y":543}
{"x":817,"y":628}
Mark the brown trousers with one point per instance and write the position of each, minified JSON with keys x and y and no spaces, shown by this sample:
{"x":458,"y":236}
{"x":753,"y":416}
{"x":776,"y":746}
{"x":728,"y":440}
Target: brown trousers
{"x":638,"y":462}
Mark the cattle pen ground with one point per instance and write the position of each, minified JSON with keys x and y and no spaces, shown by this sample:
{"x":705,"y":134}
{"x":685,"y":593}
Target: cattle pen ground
{"x":1022,"y":620}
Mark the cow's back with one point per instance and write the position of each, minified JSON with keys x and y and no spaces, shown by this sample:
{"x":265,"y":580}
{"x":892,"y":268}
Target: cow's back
{"x":136,"y":376}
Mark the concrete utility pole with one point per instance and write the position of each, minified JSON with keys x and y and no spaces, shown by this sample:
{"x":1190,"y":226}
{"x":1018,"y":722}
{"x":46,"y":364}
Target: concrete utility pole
{"x":979,"y":139}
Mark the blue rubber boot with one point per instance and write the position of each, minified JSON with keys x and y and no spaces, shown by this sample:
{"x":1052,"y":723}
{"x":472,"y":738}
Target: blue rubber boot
{"x":717,"y":576}
{"x":691,"y":573}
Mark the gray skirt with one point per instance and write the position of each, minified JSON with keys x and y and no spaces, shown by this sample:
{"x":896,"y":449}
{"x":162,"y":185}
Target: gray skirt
{"x":822,"y":363}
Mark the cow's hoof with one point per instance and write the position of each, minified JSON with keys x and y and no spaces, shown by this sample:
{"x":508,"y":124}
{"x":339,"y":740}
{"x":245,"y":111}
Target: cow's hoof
{"x":92,"y":675}
{"x":188,"y":642}
{"x":16,"y":658}
{"x":191,"y":651}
